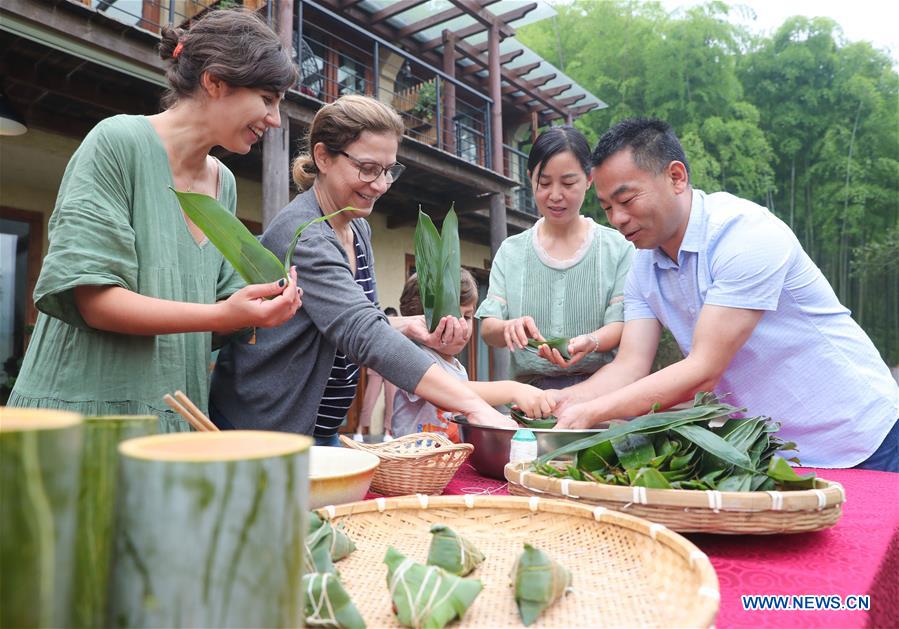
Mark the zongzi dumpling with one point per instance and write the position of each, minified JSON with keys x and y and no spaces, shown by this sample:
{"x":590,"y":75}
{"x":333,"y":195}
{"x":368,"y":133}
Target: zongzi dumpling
{"x":317,"y":551}
{"x":427,"y":596}
{"x":539,"y":582}
{"x":327,"y":603}
{"x":452,"y":552}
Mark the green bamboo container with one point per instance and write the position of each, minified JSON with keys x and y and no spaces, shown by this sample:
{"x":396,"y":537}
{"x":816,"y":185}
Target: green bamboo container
{"x":209,"y":530}
{"x":39,"y":455}
{"x":96,"y":510}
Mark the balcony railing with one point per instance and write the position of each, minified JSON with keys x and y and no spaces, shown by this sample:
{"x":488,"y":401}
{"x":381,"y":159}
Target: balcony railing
{"x":515,"y":165}
{"x":337,"y":57}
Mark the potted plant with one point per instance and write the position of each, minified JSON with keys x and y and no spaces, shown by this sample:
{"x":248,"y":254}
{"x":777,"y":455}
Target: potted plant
{"x":426,"y":104}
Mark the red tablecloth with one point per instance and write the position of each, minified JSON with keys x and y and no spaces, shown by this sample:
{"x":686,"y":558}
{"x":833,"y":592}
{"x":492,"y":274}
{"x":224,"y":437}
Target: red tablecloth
{"x":857,"y":556}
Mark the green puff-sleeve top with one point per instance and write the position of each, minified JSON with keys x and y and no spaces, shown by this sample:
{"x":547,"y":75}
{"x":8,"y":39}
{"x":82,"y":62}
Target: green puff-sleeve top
{"x":117,"y":223}
{"x":566,"y":298}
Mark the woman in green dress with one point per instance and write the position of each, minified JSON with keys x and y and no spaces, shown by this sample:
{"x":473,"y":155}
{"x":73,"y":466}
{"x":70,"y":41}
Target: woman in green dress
{"x":130,"y":289}
{"x":564,"y":277}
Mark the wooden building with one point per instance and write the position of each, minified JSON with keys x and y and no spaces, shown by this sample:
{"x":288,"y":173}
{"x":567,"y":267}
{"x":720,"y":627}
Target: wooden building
{"x":471,"y":95}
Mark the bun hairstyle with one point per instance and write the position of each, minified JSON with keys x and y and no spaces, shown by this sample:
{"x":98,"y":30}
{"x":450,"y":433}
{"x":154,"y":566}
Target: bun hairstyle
{"x":339,"y":124}
{"x":555,"y":140}
{"x":234,"y":45}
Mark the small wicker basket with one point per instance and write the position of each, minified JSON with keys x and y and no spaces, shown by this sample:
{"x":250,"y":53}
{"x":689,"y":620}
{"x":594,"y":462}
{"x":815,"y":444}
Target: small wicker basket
{"x":695,"y":511}
{"x":625,"y":571}
{"x":420,"y":463}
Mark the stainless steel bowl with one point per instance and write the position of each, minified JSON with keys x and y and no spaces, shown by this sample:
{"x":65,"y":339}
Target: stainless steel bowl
{"x":491,"y":444}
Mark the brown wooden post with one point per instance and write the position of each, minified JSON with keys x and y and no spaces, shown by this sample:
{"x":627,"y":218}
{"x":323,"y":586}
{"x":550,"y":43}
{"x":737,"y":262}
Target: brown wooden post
{"x":499,"y":363}
{"x":496,"y":121}
{"x":449,"y":92}
{"x":276,"y":142}
{"x":535,"y":125}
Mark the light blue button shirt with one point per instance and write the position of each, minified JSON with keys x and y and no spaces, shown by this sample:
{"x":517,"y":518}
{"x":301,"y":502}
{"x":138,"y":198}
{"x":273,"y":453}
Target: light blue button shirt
{"x":807,"y":364}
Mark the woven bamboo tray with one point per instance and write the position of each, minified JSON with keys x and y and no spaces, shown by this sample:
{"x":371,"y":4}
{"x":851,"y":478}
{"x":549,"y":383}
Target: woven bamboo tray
{"x":625,"y":571}
{"x":694,"y":511}
{"x":420,"y":463}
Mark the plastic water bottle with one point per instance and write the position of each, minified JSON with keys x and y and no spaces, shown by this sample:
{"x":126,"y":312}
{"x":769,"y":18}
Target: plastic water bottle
{"x":523,"y":446}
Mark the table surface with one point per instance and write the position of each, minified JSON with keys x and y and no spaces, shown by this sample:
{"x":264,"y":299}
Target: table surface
{"x":857,"y":556}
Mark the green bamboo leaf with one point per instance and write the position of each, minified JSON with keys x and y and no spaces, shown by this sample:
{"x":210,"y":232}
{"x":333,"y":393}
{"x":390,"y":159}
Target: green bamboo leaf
{"x":712,"y":443}
{"x":634,"y":450}
{"x":650,"y":477}
{"x":780,"y":470}
{"x":531,"y":422}
{"x":559,"y":343}
{"x":288,"y":255}
{"x":438,"y":265}
{"x":254,"y":263}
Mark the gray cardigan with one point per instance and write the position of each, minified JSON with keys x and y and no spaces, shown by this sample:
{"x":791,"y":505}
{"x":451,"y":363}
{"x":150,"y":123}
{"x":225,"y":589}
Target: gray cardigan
{"x":277,"y":383}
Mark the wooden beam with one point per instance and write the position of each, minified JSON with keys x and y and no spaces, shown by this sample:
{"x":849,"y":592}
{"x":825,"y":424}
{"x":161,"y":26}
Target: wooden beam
{"x":486,"y":18}
{"x":521,"y":71}
{"x":428,"y":22}
{"x":576,"y":111}
{"x":477,"y":27}
{"x":541,"y":80}
{"x":394,"y":9}
{"x":571,"y":100}
{"x":555,"y":91}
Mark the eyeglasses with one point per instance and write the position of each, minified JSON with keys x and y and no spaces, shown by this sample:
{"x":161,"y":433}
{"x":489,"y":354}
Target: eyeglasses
{"x":370,"y":171}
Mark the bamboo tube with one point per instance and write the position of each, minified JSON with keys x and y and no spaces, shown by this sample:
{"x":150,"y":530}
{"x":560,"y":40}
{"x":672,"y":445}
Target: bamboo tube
{"x":96,"y":513}
{"x":39,"y":453}
{"x":209,"y":530}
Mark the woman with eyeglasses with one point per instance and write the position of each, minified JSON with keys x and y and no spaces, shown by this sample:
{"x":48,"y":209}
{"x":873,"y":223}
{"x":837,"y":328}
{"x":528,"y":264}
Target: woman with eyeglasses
{"x":301,"y":377}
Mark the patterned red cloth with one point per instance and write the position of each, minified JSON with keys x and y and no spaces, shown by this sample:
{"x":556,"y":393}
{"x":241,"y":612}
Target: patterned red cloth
{"x":859,"y":555}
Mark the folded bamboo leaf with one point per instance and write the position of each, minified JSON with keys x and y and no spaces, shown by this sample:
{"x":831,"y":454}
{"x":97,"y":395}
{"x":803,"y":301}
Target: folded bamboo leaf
{"x":317,"y":546}
{"x":452,"y":552}
{"x":288,"y":255}
{"x":559,"y":343}
{"x":530,"y":422}
{"x":599,"y":457}
{"x":427,"y":596}
{"x":327,"y":604}
{"x":539,"y":582}
{"x":438,"y":264}
{"x":248,"y":256}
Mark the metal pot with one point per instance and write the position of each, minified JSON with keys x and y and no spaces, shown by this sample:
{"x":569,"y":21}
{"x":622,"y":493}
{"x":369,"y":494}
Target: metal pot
{"x":491,"y":444}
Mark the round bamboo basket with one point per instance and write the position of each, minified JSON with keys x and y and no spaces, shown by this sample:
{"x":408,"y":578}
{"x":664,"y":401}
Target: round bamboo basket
{"x":625,"y":571}
{"x":420,"y":463}
{"x":694,"y":511}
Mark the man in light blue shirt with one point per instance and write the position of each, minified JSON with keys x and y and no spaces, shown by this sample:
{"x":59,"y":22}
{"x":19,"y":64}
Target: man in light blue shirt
{"x":751,"y":312}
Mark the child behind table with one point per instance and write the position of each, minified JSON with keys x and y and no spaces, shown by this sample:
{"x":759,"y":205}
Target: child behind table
{"x":412,"y":413}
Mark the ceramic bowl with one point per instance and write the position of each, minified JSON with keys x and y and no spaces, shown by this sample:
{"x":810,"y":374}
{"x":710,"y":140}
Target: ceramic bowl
{"x":339,"y":475}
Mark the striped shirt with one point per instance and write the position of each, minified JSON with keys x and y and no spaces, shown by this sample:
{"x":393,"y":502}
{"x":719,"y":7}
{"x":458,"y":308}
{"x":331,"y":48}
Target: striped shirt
{"x":341,"y":388}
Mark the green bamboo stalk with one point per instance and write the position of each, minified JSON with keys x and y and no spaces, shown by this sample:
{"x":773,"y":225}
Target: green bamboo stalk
{"x":38,"y":451}
{"x":209,"y":530}
{"x":96,"y":502}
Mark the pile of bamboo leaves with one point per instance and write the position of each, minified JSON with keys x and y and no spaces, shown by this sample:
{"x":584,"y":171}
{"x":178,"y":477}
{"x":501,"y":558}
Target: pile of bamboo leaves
{"x":438,"y":263}
{"x":701,"y":447}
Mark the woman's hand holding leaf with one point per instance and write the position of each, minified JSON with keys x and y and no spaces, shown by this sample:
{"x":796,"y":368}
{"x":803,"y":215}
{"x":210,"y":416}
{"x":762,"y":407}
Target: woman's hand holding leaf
{"x":516,"y":332}
{"x":449,"y":337}
{"x":249,"y":307}
{"x":579,"y":347}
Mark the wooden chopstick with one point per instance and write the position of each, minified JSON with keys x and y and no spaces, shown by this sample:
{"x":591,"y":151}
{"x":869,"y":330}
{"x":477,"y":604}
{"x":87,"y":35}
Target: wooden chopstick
{"x":196,"y":412}
{"x":176,"y":406}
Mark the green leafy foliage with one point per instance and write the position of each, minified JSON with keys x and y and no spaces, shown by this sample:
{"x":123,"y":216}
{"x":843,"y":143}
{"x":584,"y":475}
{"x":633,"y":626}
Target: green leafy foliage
{"x":801,"y":121}
{"x":558,"y":343}
{"x":701,"y":447}
{"x":438,"y":263}
{"x":532,"y":422}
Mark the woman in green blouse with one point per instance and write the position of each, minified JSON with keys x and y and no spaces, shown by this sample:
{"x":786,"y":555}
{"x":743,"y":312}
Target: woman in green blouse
{"x":563,"y":277}
{"x":130,"y":288}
